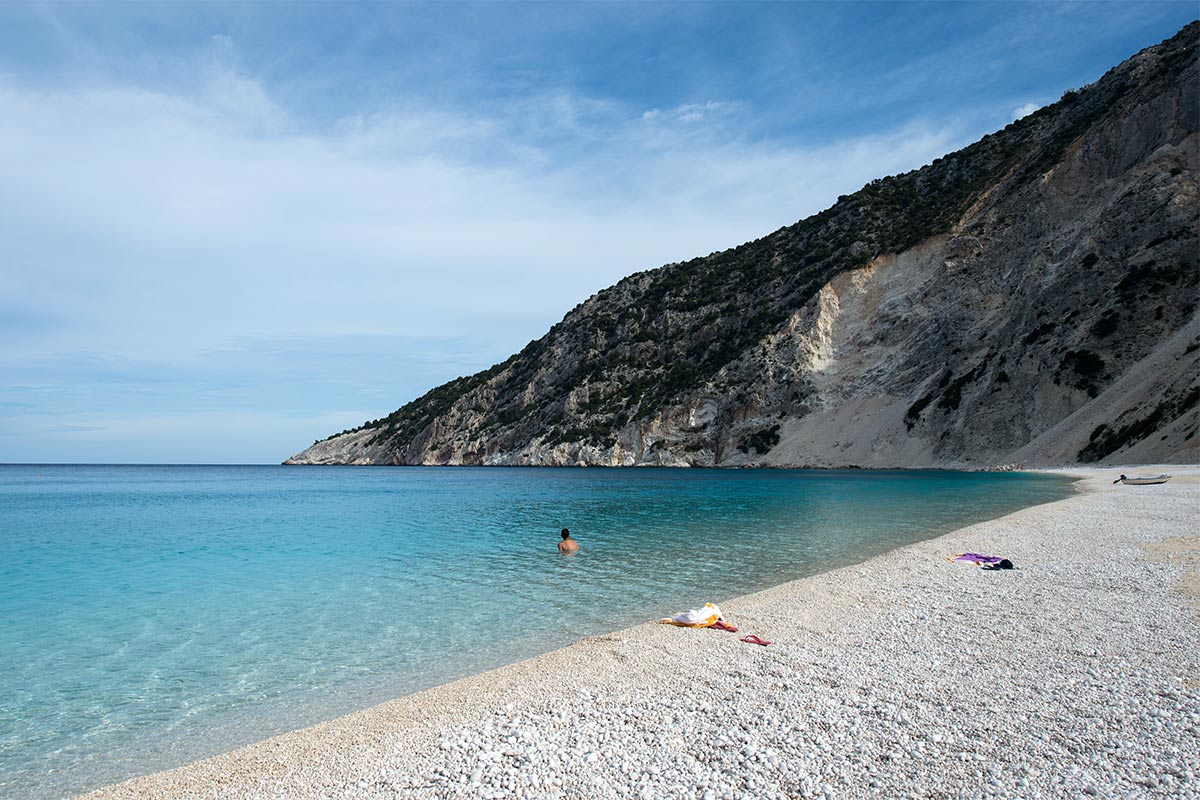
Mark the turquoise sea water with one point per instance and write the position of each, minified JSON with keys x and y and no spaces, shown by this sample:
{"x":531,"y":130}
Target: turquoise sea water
{"x":157,"y":614}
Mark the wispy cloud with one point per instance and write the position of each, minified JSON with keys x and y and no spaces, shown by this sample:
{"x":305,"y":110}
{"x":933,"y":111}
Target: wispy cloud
{"x":183,"y":213}
{"x":1024,"y":110}
{"x":692,"y":113}
{"x":207,"y":226}
{"x":71,"y":428}
{"x":170,"y":229}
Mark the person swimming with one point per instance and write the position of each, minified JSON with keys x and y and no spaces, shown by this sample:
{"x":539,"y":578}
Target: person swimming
{"x":567,"y":545}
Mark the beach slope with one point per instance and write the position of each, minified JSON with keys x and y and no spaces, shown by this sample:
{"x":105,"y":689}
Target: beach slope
{"x":906,"y":675}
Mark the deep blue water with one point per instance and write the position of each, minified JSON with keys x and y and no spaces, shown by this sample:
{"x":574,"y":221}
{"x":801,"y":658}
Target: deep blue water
{"x":151,"y":615}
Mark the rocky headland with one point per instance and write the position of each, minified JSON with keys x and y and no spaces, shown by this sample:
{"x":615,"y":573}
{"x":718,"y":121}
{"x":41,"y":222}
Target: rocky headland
{"x":1029,"y":299}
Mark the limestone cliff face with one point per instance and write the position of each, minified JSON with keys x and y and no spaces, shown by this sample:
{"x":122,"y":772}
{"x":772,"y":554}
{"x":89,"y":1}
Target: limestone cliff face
{"x":1031,"y":298}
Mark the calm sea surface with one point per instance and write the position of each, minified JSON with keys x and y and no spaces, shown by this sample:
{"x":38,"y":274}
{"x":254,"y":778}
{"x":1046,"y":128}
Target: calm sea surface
{"x":153,"y":615}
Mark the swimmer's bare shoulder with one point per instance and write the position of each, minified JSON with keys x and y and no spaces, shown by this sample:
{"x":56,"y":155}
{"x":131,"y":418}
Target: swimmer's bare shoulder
{"x":567,"y":545}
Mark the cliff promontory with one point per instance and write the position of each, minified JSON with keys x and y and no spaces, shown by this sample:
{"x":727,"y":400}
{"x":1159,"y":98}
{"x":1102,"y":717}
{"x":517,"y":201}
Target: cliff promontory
{"x":1031,"y":298}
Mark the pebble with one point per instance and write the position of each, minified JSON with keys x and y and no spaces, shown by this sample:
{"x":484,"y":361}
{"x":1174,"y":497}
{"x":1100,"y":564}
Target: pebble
{"x":904,"y":676}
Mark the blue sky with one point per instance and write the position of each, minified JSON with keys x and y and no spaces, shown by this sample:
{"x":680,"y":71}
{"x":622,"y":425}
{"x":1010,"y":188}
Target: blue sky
{"x":229,"y":229}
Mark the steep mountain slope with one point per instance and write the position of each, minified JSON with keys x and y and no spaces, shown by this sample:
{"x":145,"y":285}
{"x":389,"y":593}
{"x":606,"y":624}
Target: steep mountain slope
{"x":1032,"y":297}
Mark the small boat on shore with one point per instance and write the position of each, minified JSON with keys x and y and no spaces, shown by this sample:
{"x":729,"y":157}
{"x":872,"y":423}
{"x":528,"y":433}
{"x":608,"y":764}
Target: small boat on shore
{"x":1143,"y":481}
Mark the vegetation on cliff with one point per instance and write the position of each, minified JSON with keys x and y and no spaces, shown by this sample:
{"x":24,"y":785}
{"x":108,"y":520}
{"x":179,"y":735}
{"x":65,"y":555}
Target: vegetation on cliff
{"x":627,"y":353}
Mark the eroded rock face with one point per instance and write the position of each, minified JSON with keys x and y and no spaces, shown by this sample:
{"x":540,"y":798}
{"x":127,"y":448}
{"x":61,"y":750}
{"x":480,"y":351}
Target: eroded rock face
{"x":1032,"y":298}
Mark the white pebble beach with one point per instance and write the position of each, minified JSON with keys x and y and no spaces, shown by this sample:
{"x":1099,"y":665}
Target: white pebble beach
{"x":1076,"y":674}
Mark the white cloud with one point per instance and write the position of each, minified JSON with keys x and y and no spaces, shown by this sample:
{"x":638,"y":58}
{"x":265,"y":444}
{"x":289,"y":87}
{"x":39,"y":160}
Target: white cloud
{"x":167,"y":229}
{"x":1024,"y":111}
{"x":135,"y":211}
{"x":691,"y":113}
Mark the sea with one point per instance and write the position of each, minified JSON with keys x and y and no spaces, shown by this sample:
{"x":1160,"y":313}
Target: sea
{"x":153,"y":615}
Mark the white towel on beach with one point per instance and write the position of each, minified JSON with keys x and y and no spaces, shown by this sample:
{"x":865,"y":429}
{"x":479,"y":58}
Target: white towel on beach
{"x":696,"y":617}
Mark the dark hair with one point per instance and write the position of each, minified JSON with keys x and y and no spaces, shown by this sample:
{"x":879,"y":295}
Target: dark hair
{"x":566,"y":533}
{"x":1005,"y":564}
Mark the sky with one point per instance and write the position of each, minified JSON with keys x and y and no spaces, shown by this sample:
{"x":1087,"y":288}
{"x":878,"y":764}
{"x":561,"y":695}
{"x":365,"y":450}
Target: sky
{"x":227,"y":230}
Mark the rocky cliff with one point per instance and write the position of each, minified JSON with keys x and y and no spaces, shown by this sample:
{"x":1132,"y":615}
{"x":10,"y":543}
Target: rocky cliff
{"x":1031,"y":298}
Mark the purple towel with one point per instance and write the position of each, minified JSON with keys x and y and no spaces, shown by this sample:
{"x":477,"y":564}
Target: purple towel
{"x":979,"y":559}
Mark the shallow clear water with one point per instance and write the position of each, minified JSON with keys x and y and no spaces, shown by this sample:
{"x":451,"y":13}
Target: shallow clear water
{"x":153,"y":615}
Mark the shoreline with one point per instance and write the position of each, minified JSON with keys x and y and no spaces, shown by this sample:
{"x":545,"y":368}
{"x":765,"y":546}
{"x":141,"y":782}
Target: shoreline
{"x":829,"y":708}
